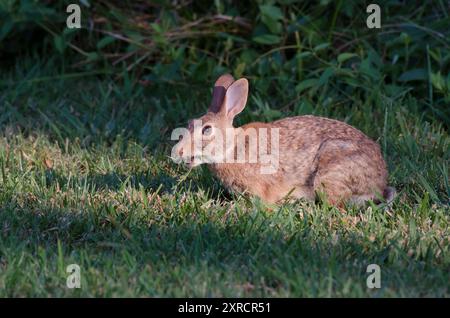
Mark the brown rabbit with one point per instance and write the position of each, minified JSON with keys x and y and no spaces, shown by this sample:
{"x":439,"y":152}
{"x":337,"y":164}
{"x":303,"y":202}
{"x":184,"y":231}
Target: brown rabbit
{"x":313,"y":154}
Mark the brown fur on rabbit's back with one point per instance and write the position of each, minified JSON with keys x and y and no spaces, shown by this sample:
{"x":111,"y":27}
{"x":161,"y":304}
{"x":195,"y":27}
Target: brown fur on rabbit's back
{"x":331,"y":157}
{"x":315,"y":155}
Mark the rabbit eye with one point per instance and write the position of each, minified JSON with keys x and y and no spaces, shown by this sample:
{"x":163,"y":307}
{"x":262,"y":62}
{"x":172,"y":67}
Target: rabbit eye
{"x":207,"y":130}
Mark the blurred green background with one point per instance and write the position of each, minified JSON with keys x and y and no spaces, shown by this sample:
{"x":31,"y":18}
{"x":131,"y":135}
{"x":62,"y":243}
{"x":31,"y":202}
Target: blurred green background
{"x":304,"y":55}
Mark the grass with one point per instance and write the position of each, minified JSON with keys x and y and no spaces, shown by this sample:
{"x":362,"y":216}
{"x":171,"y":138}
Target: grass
{"x":85,"y":178}
{"x":85,"y":123}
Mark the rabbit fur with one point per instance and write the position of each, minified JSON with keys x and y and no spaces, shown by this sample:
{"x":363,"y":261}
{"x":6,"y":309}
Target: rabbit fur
{"x":316,"y":155}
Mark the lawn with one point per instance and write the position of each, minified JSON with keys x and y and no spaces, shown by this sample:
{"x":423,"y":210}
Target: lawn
{"x":86,"y":179}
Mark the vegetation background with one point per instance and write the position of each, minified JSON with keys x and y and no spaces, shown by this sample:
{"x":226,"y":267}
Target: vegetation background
{"x":86,"y":116}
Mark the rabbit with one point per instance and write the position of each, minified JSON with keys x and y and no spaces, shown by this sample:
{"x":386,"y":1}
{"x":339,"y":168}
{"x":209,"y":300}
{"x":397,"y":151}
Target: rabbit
{"x":316,"y":155}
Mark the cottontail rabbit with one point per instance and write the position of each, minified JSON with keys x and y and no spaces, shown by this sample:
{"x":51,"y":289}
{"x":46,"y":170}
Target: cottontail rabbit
{"x":309,"y":154}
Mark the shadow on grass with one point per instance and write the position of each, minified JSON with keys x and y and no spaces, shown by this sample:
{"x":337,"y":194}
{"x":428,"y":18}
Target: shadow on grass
{"x":162,"y":183}
{"x":114,"y":181}
{"x":192,"y":250}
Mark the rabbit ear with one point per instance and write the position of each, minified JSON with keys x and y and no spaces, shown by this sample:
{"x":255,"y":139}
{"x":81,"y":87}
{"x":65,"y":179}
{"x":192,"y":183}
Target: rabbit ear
{"x":236,"y":98}
{"x":220,"y":88}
